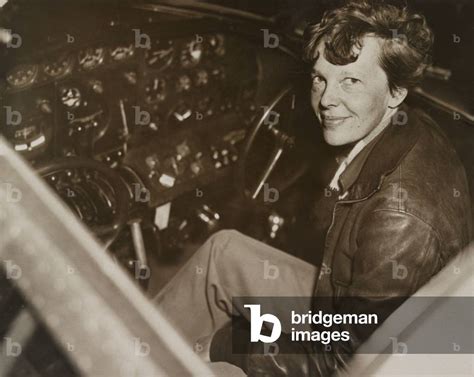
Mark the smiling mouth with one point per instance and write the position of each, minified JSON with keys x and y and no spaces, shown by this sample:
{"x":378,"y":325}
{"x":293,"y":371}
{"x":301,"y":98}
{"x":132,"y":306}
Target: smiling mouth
{"x":331,"y":121}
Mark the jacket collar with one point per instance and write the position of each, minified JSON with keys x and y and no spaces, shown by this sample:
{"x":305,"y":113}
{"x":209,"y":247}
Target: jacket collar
{"x":364,"y":175}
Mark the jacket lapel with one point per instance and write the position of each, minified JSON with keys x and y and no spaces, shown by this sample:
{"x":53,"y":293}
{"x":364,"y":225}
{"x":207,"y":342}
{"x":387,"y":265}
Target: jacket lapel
{"x":386,"y":154}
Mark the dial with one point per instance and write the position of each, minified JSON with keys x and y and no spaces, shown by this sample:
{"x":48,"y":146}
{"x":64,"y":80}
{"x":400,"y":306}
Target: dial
{"x":155,"y":91}
{"x":30,"y":134}
{"x":84,"y":112}
{"x":191,"y":54}
{"x":160,"y":55}
{"x":122,"y":52}
{"x":59,"y":67}
{"x":22,"y":75}
{"x":91,"y":57}
{"x":71,"y":97}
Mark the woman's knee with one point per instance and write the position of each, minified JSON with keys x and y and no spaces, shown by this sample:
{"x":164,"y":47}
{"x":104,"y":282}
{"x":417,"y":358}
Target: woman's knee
{"x":215,"y":245}
{"x":220,"y":240}
{"x":229,"y":247}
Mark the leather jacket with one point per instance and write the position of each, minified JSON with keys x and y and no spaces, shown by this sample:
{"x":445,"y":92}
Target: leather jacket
{"x":406,"y":212}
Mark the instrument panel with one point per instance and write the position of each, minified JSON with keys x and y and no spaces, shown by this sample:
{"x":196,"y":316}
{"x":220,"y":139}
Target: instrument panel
{"x":119,"y":101}
{"x":63,"y":64}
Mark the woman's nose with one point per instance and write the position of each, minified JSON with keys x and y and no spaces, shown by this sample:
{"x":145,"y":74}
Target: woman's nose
{"x":330,"y":96}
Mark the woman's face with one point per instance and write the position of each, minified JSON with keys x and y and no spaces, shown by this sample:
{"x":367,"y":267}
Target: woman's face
{"x":351,"y":100}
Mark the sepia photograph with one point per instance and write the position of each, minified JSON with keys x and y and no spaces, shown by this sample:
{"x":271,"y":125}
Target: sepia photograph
{"x":231,"y":188}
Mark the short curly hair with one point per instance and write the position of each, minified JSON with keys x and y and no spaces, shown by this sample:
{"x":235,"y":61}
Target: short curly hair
{"x":406,"y":50}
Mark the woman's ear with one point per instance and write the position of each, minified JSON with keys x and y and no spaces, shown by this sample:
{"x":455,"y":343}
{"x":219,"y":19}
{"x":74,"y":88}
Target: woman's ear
{"x":397,"y":97}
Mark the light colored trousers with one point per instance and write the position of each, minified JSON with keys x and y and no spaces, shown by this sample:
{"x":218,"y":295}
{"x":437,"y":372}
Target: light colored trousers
{"x":198,"y":300}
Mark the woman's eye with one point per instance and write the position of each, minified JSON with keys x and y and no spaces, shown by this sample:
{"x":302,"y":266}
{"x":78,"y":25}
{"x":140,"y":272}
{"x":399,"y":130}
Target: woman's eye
{"x":351,"y":80}
{"x":317,"y":80}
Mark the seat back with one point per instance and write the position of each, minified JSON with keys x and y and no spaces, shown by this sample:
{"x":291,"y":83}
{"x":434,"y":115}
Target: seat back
{"x":434,"y":327}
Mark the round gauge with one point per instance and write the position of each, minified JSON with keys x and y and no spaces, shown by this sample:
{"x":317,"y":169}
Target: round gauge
{"x":183,"y":84}
{"x":22,"y":75}
{"x":217,"y":44}
{"x":160,"y":55}
{"x":91,"y":57}
{"x":71,"y":97}
{"x":84,"y":112}
{"x":122,"y":52}
{"x":191,"y":54}
{"x":59,"y":67}
{"x":155,"y":90}
{"x":32,"y":135}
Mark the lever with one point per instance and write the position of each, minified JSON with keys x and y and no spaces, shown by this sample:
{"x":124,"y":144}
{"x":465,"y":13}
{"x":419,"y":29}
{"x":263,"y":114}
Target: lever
{"x":139,"y":245}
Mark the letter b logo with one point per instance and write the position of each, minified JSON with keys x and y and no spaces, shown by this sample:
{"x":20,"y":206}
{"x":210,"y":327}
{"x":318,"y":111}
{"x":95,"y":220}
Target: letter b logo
{"x":13,"y":116}
{"x":256,"y":324}
{"x":270,"y":40}
{"x":270,"y":194}
{"x":142,"y":117}
{"x":12,"y":348}
{"x":142,"y":40}
{"x":141,"y":348}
